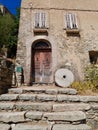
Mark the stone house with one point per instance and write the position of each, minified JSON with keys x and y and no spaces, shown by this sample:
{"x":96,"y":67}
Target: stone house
{"x":4,"y":10}
{"x":56,"y":34}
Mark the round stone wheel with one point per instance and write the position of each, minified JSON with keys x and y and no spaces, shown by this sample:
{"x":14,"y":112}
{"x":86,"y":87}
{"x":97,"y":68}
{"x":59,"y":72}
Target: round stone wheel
{"x":64,"y":77}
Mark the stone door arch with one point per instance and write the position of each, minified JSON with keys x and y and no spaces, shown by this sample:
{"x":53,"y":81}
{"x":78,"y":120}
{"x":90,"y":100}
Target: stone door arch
{"x":41,"y":62}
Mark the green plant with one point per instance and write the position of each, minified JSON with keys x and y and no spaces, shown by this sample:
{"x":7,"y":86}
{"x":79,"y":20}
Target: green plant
{"x":92,"y":74}
{"x":90,"y":84}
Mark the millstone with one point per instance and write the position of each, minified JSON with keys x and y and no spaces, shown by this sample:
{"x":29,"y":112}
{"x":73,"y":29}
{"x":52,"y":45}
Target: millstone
{"x":64,"y":77}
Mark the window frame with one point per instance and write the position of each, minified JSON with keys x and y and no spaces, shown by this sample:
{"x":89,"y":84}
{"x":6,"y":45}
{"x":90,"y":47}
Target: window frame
{"x":71,"y":22}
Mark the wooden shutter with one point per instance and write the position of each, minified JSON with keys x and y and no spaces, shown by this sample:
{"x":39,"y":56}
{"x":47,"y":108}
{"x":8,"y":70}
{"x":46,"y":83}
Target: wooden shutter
{"x":41,"y":20}
{"x":74,"y":21}
{"x":36,"y":20}
{"x":67,"y":21}
{"x":71,"y":21}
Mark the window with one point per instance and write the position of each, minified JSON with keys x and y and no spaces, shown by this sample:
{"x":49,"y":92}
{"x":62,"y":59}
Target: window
{"x":71,"y":22}
{"x":40,"y":20}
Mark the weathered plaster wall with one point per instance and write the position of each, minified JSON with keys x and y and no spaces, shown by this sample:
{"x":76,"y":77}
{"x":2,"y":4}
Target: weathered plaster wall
{"x":68,"y":4}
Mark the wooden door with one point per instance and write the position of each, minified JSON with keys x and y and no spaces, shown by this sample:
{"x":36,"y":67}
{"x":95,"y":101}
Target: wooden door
{"x":42,"y":66}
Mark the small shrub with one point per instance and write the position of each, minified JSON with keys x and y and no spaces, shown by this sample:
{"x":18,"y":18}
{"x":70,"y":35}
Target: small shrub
{"x":90,"y":85}
{"x":91,"y":74}
{"x":84,"y":87}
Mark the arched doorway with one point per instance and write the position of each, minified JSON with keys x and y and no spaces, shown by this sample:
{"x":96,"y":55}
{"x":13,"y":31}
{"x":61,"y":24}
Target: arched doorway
{"x":41,"y":62}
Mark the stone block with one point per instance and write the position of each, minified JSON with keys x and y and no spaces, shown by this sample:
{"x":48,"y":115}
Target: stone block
{"x":64,"y":98}
{"x":27,"y":97}
{"x":94,"y":106}
{"x":34,"y":106}
{"x":88,"y":98}
{"x":44,"y":97}
{"x":7,"y":106}
{"x":68,"y":91}
{"x":12,"y":117}
{"x":34,"y":115}
{"x":33,"y":90}
{"x":9,"y":97}
{"x":71,"y":127}
{"x":30,"y":127}
{"x":51,"y":91}
{"x":66,"y":116}
{"x":15,"y":90}
{"x":4,"y":127}
{"x":71,"y":107}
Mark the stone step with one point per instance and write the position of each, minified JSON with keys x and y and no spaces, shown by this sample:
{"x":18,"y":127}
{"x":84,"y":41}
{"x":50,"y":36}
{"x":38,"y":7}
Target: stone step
{"x":5,"y":127}
{"x":27,"y":116}
{"x":47,"y":127}
{"x":56,"y":107}
{"x":46,"y":90}
{"x":43,"y":126}
{"x":48,"y":98}
{"x":71,"y":127}
{"x":68,"y":116}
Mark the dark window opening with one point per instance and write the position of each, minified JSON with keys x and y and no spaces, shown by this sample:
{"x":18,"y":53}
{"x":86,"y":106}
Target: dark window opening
{"x":41,"y":45}
{"x":93,"y":55}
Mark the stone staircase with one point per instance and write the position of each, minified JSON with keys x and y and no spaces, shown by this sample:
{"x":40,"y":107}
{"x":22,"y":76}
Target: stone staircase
{"x":47,"y":108}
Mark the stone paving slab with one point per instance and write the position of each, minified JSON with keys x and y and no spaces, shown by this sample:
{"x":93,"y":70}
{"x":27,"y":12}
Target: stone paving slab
{"x":9,"y":97}
{"x":7,"y":106}
{"x":33,"y":106}
{"x":65,"y":116}
{"x":71,"y":127}
{"x":31,"y":127}
{"x":71,"y":107}
{"x":12,"y":117}
{"x":4,"y":127}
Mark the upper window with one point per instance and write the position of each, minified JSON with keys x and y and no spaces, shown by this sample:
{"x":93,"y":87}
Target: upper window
{"x":40,"y":20}
{"x":71,"y":21}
